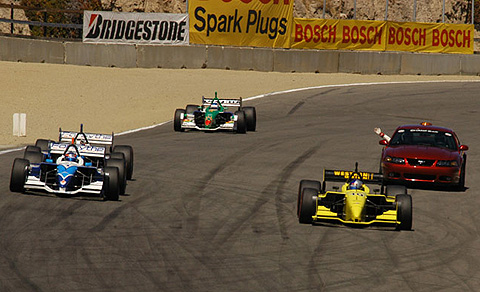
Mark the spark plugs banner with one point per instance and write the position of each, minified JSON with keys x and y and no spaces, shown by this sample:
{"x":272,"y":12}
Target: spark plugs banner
{"x":135,"y":28}
{"x":257,"y":23}
{"x":330,"y":34}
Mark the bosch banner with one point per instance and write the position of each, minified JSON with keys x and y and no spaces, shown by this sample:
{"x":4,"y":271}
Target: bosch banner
{"x":135,"y":28}
{"x":331,"y":34}
{"x":430,"y":37}
{"x":257,"y":23}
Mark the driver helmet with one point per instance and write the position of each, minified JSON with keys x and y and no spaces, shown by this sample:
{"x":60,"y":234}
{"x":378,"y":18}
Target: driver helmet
{"x":214,"y":105}
{"x":355,"y":184}
{"x":71,"y":156}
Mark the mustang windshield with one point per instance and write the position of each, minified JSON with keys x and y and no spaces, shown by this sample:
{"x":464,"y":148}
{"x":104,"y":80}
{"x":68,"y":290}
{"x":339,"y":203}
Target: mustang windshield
{"x":424,"y":137}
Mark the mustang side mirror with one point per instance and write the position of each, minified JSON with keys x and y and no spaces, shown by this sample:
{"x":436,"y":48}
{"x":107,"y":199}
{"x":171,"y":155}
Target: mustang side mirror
{"x":385,"y":143}
{"x":463,"y":147}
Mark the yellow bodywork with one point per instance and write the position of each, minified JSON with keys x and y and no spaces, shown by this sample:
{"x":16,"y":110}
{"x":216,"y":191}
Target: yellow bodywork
{"x":354,"y":208}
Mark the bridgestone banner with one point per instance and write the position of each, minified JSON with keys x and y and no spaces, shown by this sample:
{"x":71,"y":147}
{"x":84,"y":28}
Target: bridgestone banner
{"x":256,"y":23}
{"x":135,"y":28}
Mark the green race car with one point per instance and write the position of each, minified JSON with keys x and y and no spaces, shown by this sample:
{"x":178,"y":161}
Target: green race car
{"x":214,"y":115}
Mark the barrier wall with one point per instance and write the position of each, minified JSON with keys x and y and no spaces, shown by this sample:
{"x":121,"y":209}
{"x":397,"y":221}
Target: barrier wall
{"x":237,"y":58}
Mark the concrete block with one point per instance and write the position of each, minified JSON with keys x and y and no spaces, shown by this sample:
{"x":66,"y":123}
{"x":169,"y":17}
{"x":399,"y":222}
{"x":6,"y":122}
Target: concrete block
{"x":430,"y":64}
{"x":470,"y":64}
{"x":234,"y":58}
{"x":172,"y":57}
{"x":361,"y":62}
{"x":31,"y":50}
{"x":101,"y":55}
{"x":318,"y":61}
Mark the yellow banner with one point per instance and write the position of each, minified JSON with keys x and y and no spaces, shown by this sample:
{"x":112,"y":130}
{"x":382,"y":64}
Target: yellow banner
{"x":257,"y":23}
{"x":331,"y":34}
{"x":430,"y":37}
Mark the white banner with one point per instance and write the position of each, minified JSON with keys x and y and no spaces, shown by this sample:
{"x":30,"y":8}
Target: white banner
{"x":135,"y":28}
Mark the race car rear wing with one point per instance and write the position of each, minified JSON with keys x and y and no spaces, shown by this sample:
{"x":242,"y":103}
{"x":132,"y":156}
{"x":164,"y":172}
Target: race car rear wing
{"x":227,"y":102}
{"x":91,"y":138}
{"x":345,"y":175}
{"x":84,"y":150}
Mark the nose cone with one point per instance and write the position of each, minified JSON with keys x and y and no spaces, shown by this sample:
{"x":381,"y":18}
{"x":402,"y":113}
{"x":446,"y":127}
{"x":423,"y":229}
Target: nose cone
{"x":355,"y":206}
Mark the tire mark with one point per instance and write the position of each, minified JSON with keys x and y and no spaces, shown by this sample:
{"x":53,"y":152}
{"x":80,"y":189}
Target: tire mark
{"x":301,"y":103}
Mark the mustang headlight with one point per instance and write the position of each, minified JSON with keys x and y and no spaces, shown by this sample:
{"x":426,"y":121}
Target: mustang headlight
{"x":447,"y":163}
{"x":396,"y":160}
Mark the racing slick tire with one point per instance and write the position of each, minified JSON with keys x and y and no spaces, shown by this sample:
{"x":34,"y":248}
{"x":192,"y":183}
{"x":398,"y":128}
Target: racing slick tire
{"x":241,"y":123}
{"x":191,"y":108}
{"x":404,"y":212}
{"x":307,"y":205}
{"x":18,"y":176}
{"x":42,"y":144}
{"x":251,"y":117}
{"x":177,"y":120}
{"x":118,"y":160}
{"x":305,"y":183}
{"x":127,"y":151}
{"x":31,"y":148}
{"x":393,"y":190}
{"x":111,"y":186}
{"x":33,"y":156}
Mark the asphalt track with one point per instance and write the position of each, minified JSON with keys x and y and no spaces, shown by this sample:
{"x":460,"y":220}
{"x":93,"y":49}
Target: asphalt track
{"x":217,"y":211}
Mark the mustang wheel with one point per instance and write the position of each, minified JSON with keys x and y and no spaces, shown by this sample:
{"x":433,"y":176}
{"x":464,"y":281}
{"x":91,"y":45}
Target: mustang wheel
{"x":308,"y":206}
{"x":117,"y":160}
{"x":404,"y":212}
{"x":241,"y":123}
{"x":461,"y":182}
{"x":311,"y":184}
{"x":33,"y":156}
{"x":251,"y":117}
{"x":177,"y":120}
{"x":18,"y":175}
{"x":111,"y":186}
{"x":128,"y":153}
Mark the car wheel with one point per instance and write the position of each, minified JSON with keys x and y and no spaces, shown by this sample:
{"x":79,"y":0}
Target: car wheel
{"x":191,"y":108}
{"x":241,"y":124}
{"x":31,"y":148}
{"x":18,"y":176}
{"x":128,"y":153}
{"x":177,"y":120}
{"x":393,"y":190}
{"x":42,"y":144}
{"x":311,"y":184}
{"x":308,"y":206}
{"x":111,"y":186}
{"x":251,"y":117}
{"x":33,"y":156}
{"x":117,"y":160}
{"x":404,"y":212}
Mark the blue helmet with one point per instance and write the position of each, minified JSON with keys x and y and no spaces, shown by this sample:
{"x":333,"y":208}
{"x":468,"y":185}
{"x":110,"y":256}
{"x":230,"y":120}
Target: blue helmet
{"x":71,"y":156}
{"x":355,"y":184}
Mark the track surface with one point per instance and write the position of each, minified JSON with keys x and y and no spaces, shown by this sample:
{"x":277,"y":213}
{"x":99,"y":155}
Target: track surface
{"x":217,"y":211}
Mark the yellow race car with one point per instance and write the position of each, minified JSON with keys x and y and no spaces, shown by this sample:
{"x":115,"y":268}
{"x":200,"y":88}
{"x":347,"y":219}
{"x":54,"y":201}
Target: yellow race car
{"x":354,"y":203}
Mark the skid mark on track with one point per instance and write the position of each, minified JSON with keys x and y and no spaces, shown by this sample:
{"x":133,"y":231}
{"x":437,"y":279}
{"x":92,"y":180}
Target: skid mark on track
{"x":302,"y":102}
{"x":115,"y":213}
{"x":193,"y":199}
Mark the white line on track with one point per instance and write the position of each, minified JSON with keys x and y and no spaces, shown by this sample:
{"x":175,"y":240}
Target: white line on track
{"x":282,"y":92}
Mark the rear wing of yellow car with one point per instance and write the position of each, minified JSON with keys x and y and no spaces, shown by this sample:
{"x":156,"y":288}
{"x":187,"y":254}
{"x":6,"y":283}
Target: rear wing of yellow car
{"x":346,"y":175}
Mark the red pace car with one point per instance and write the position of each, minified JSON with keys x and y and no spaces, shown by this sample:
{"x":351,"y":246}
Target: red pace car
{"x":424,"y":153}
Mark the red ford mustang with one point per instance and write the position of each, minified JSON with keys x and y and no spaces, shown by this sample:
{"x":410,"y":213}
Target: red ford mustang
{"x":424,"y":153}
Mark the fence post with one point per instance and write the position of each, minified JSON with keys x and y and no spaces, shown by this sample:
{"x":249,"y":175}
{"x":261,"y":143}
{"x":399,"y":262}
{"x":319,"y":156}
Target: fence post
{"x":414,"y":10}
{"x":386,"y":10}
{"x":11,"y":17}
{"x":45,"y":20}
{"x":473,"y":11}
{"x":324,"y":3}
